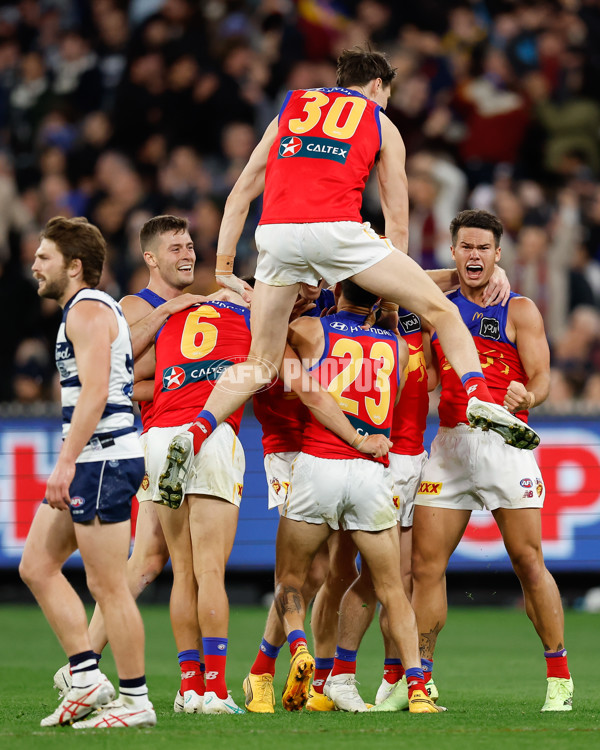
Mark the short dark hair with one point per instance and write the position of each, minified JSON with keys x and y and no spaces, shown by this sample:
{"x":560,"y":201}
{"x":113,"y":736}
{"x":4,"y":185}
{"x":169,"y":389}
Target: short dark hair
{"x":476,"y":219}
{"x":360,"y":65}
{"x":160,"y":225}
{"x":356,"y":295}
{"x":78,"y":239}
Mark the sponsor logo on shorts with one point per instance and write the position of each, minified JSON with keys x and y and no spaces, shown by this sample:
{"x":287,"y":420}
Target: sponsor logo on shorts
{"x":430,"y":488}
{"x":77,"y":501}
{"x":145,"y":482}
{"x":539,"y":486}
{"x":279,"y":486}
{"x":526,"y":482}
{"x":239,"y":488}
{"x":489,"y":328}
{"x":396,"y":501}
{"x":313,"y":148}
{"x":528,"y":494}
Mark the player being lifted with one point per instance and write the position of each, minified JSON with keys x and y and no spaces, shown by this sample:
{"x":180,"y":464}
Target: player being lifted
{"x":312,"y":163}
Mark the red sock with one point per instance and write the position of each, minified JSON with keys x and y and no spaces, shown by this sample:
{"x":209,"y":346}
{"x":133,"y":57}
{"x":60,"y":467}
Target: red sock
{"x":295,"y":645}
{"x":201,"y":429}
{"x":477,"y":387}
{"x":416,"y":684}
{"x":215,"y":674}
{"x":343,"y":667}
{"x":263,"y":664}
{"x":393,"y":673}
{"x":556,"y":666}
{"x":427,"y":676}
{"x":191,"y":677}
{"x":319,"y":679}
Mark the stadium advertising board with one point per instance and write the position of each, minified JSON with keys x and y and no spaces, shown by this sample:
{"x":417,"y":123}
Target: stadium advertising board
{"x":569,"y":459}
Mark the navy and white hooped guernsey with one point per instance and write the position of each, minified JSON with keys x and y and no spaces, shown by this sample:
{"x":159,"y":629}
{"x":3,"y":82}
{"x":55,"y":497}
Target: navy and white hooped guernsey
{"x":115,"y":436}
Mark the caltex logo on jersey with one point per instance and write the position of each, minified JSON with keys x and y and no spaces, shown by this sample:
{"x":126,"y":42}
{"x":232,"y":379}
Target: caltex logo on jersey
{"x":173,"y":377}
{"x":289,"y":146}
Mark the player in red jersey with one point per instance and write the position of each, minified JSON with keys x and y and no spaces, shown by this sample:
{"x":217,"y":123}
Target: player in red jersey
{"x":471,"y":469}
{"x":333,"y":486}
{"x":282,"y":415}
{"x":312,"y":163}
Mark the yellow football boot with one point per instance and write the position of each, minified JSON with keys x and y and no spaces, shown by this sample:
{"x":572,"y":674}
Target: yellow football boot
{"x":318,"y":701}
{"x":259,"y":693}
{"x":295,"y":692}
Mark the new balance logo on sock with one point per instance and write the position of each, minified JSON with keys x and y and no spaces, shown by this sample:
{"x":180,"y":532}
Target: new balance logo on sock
{"x":470,"y":389}
{"x":318,"y":683}
{"x":211,"y":675}
{"x":203,"y":428}
{"x":187,"y":675}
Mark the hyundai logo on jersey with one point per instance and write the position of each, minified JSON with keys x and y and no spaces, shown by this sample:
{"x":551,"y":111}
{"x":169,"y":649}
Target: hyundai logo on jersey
{"x":316,"y":148}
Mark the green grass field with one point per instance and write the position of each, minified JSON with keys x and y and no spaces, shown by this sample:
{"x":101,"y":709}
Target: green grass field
{"x":489,"y":669}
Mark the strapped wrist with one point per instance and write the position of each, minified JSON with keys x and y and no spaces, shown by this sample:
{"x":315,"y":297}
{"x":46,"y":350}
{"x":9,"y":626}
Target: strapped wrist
{"x":358,"y":440}
{"x":531,"y":396}
{"x":224,"y":265}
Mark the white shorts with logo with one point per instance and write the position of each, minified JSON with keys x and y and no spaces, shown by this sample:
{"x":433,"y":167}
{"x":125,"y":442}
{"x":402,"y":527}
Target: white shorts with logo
{"x":278,"y":469}
{"x":354,"y":493}
{"x":470,"y":469}
{"x":406,"y":473}
{"x":332,"y":250}
{"x":218,"y":470}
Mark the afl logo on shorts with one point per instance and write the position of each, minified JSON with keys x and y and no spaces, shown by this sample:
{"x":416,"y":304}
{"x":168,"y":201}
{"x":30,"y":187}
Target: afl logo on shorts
{"x":77,"y":502}
{"x":289,"y":146}
{"x":173,"y":378}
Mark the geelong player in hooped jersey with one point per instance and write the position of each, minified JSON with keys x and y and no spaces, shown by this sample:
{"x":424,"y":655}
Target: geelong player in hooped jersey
{"x":334,"y":486}
{"x":312,"y":163}
{"x":471,"y":469}
{"x":99,"y":468}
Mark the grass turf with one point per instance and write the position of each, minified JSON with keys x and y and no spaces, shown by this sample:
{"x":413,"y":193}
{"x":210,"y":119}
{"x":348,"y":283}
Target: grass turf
{"x":489,"y":669}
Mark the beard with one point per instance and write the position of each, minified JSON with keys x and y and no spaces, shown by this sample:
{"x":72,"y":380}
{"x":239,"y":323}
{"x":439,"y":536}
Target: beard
{"x":54,"y":288}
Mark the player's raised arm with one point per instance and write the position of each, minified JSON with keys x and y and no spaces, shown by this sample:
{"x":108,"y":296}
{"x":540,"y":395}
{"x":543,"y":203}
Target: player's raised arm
{"x":534,"y":353}
{"x":249,"y":185}
{"x":393,"y":184}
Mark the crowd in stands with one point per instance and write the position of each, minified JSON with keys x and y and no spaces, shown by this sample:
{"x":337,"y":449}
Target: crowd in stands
{"x":119,"y":111}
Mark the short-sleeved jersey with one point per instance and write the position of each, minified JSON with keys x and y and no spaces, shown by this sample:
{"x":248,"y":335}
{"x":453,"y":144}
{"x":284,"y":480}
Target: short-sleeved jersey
{"x":117,"y":417}
{"x":193,"y":348}
{"x":155,"y":300}
{"x":410,"y":414}
{"x":327,"y":143}
{"x":500,"y":361}
{"x":360,"y":370}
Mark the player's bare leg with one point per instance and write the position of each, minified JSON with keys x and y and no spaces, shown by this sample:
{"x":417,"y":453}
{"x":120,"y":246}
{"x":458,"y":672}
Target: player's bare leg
{"x":183,"y":607}
{"x":212,"y":526}
{"x":436,"y":534}
{"x":50,"y":542}
{"x":381,"y":552}
{"x":325,"y":614}
{"x":104,"y":548}
{"x":296,"y":546}
{"x":522,"y":534}
{"x":258,"y":683}
{"x":148,"y":558}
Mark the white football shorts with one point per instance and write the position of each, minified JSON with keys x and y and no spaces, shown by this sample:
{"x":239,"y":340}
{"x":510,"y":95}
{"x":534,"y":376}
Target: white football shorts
{"x":407,"y":473}
{"x":278,"y":469}
{"x":144,"y":493}
{"x":218,"y":470}
{"x":470,"y":469}
{"x":352,"y":493}
{"x":332,"y":250}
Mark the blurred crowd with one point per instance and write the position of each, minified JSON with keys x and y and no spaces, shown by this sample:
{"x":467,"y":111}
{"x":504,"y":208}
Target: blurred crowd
{"x":119,"y":110}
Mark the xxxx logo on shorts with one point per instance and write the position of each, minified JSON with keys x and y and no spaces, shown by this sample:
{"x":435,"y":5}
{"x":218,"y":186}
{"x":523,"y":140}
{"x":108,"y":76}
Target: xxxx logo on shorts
{"x":430,"y":488}
{"x":396,"y":501}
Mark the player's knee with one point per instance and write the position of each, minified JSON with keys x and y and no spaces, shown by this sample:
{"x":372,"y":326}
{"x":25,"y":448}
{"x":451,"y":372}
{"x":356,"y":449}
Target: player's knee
{"x":529,"y":566}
